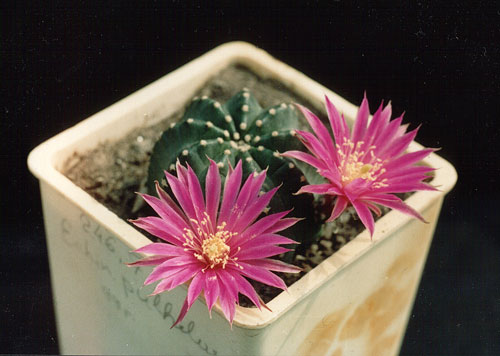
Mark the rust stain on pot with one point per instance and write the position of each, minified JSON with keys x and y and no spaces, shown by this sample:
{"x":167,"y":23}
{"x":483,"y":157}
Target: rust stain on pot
{"x":404,"y":264}
{"x":374,"y":316}
{"x":384,"y":345}
{"x":320,"y":339}
{"x":337,"y":352}
{"x":384,"y":307}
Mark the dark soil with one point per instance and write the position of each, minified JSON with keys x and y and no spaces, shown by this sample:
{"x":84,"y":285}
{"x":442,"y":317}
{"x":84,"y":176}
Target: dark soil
{"x":113,"y":171}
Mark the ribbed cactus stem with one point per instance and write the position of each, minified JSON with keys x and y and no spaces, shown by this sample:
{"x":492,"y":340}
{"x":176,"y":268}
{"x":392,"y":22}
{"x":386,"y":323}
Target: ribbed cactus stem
{"x":227,"y":133}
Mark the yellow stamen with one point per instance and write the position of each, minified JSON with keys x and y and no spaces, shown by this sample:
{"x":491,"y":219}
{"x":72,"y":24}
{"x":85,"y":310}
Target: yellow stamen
{"x":209,"y":246}
{"x":216,"y":250}
{"x":356,"y":163}
{"x":365,"y":169}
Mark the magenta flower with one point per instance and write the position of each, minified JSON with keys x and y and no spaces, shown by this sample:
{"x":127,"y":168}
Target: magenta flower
{"x":214,"y":249}
{"x":363,"y":168}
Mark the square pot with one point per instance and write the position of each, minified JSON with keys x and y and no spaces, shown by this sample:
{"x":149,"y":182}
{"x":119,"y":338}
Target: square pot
{"x":356,"y":302}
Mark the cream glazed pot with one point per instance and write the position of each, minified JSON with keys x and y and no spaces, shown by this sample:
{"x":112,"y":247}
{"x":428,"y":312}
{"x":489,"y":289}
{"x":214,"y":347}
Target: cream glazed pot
{"x":356,"y":302}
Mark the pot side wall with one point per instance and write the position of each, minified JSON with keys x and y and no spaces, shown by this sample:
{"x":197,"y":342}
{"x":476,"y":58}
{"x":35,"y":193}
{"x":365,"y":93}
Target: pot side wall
{"x":102,"y":308}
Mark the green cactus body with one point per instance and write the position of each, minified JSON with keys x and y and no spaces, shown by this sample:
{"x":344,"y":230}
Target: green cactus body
{"x":238,"y":130}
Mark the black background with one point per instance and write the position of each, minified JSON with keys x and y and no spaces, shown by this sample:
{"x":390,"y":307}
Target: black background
{"x":440,"y":64}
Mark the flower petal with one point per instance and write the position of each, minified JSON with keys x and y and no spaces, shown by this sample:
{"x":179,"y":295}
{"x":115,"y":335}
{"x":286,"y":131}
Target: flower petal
{"x":399,"y":205}
{"x":212,"y":191}
{"x":337,"y":122}
{"x":172,"y":266}
{"x":228,"y":305}
{"x":149,"y":261}
{"x":181,"y":193}
{"x":307,"y":158}
{"x":164,"y":197}
{"x":387,"y":136}
{"x":378,"y":120}
{"x":356,"y":188}
{"x":195,"y":288}
{"x":163,"y":249}
{"x":262,"y":251}
{"x":250,"y":189}
{"x":226,"y":297}
{"x":373,"y":207}
{"x":159,"y":228}
{"x":315,"y":188}
{"x":246,"y":210}
{"x":231,"y":189}
{"x":399,"y":144}
{"x":359,"y":128}
{"x":194,"y":291}
{"x":406,"y":187}
{"x":260,"y":275}
{"x":176,"y":279}
{"x":315,"y":146}
{"x":266,"y":239}
{"x":261,"y":225}
{"x":340,"y":205}
{"x":245,"y":288}
{"x":365,"y":215}
{"x":408,"y":170}
{"x":252,"y":212}
{"x":166,"y":212}
{"x":228,"y":281}
{"x":181,"y":173}
{"x":335,"y":191}
{"x":196,"y":194}
{"x":212,"y":288}
{"x":408,"y":159}
{"x":409,"y":178}
{"x":275,"y":265}
{"x":281,"y":225}
{"x":182,"y":313}
{"x":320,"y":130}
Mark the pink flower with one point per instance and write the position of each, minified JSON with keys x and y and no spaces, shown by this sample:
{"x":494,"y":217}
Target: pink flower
{"x":363,"y":168}
{"x":214,"y":249}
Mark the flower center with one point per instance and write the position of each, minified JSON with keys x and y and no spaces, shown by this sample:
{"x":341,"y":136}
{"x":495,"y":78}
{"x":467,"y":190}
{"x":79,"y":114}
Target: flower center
{"x":358,"y":163}
{"x":215,"y":249}
{"x":209,"y":246}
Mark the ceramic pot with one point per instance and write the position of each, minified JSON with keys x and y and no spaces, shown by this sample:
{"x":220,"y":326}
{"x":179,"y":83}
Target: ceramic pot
{"x":356,"y":302}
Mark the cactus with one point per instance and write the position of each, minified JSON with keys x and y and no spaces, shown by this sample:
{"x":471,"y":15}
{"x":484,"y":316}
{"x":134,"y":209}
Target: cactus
{"x":238,"y":130}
